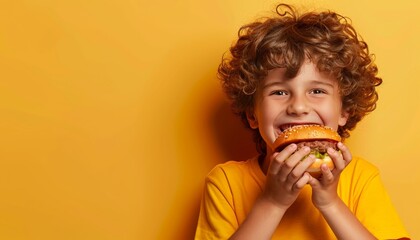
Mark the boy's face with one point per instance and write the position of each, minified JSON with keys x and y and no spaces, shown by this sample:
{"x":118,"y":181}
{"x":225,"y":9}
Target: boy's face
{"x":311,"y":97}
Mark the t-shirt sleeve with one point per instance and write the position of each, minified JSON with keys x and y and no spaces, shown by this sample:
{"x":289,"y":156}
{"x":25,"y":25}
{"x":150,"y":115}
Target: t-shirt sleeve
{"x":217,"y":219}
{"x":376,"y":211}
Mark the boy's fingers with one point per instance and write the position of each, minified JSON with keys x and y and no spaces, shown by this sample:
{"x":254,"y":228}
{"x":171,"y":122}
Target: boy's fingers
{"x":290,"y":164}
{"x":337,"y":159}
{"x":299,"y":170}
{"x":313,"y":181}
{"x":302,"y":182}
{"x":279,"y":159}
{"x":327,"y":175}
{"x":275,"y":165}
{"x":345,"y":152}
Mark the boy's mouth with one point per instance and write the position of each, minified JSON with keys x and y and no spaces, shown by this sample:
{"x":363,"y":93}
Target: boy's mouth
{"x":283,"y":127}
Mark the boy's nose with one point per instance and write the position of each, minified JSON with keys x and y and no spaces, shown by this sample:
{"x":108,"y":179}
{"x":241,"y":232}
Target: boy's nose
{"x":298,"y":106}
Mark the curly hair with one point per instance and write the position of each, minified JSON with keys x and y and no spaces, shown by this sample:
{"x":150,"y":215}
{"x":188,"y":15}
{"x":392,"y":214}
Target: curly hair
{"x":286,"y":40}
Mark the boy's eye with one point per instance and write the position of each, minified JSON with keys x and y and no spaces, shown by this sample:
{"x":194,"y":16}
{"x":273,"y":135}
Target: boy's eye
{"x":318,"y":91}
{"x":279,"y":92}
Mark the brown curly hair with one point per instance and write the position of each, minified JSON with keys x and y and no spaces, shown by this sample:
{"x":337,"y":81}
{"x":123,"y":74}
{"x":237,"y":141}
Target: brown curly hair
{"x":285,"y":41}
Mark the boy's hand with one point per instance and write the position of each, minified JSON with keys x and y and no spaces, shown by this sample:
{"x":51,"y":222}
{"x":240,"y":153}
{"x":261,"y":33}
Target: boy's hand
{"x":324,"y":190}
{"x":286,"y":175}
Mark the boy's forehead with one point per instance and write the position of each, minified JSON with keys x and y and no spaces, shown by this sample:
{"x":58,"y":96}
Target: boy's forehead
{"x":308,"y":71}
{"x":277,"y":73}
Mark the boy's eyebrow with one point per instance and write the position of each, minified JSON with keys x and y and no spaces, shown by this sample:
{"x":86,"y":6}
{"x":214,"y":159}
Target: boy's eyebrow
{"x":272,"y":84}
{"x":327,"y":83}
{"x":323,"y":83}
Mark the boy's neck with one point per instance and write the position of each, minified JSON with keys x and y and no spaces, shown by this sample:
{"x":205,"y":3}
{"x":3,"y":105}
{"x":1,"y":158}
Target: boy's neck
{"x":264,"y":162}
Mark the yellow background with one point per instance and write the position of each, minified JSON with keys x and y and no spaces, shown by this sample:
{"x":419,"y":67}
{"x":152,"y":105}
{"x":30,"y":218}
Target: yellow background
{"x":111,"y":114}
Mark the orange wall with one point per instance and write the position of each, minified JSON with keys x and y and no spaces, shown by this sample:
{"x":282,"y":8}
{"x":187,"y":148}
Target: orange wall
{"x":111,"y":114}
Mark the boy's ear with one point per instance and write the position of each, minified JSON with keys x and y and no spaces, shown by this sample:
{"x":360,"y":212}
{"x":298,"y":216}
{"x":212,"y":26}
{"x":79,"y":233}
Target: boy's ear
{"x":252,"y":119}
{"x":343,"y":118}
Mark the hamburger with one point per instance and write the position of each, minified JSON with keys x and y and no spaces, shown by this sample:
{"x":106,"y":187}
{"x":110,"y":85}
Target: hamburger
{"x":318,"y":138}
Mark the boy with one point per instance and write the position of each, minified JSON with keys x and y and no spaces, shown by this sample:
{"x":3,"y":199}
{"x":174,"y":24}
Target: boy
{"x":291,"y":70}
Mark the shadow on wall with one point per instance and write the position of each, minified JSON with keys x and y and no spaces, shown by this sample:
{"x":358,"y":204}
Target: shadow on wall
{"x":234,"y":142}
{"x":207,"y":123}
{"x":230,"y":134}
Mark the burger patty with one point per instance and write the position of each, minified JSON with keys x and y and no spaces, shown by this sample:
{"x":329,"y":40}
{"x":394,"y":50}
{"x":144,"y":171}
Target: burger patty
{"x":320,"y":146}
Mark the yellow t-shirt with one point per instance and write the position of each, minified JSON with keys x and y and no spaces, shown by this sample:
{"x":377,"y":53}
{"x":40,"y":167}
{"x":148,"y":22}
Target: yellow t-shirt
{"x":232,"y":188}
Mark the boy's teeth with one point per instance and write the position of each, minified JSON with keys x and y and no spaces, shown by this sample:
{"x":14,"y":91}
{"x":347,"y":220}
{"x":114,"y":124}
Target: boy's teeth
{"x":286,"y":126}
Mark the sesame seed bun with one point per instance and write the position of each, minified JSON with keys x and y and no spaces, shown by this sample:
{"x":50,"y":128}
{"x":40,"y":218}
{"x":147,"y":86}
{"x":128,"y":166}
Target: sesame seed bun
{"x":313,"y":136}
{"x":301,"y":133}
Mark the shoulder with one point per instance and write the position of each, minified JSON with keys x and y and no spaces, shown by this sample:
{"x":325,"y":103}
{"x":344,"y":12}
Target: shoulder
{"x":230,"y":169}
{"x":364,"y":193}
{"x":359,"y":166}
{"x":241,"y":174}
{"x":357,"y":176}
